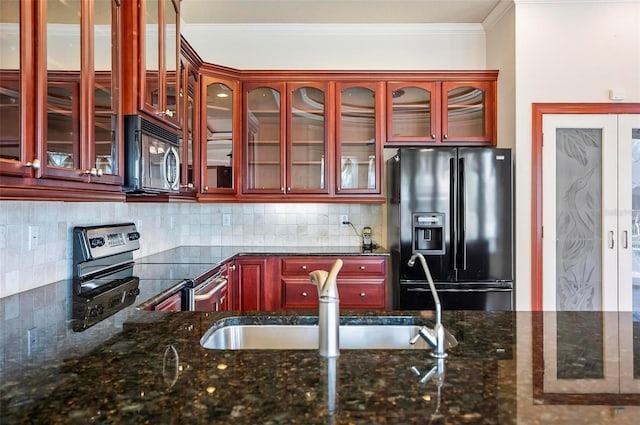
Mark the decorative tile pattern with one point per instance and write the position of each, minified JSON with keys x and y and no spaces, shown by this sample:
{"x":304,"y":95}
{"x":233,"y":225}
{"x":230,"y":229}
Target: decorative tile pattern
{"x":164,"y":227}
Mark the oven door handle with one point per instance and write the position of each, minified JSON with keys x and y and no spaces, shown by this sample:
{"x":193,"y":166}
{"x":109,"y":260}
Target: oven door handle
{"x":222,"y":282}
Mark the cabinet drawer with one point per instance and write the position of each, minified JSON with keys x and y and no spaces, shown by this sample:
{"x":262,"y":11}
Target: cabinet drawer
{"x":363,"y":265}
{"x":362,"y":295}
{"x":304,"y":265}
{"x":367,"y":293}
{"x":351,"y":265}
{"x":299,"y":295}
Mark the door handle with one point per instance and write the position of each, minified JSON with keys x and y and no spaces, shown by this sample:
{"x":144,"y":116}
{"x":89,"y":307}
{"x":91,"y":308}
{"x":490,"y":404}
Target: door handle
{"x":625,"y":239}
{"x":611,"y":239}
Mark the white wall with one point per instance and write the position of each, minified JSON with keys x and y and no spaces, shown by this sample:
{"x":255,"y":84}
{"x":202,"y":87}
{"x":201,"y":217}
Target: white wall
{"x":566,"y":51}
{"x":501,"y":54}
{"x":340,"y":46}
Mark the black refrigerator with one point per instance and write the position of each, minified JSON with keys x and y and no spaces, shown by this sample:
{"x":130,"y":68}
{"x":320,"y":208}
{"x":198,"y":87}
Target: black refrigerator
{"x":455,"y":207}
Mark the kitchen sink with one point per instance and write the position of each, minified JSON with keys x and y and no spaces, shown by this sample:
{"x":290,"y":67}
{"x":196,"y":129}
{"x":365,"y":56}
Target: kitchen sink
{"x":383,"y":335}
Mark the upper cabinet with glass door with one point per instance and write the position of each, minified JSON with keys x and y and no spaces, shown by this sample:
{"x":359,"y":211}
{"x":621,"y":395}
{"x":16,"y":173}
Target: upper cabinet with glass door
{"x":80,"y":121}
{"x":308,"y":138}
{"x":62,"y":118}
{"x":450,"y":112}
{"x":358,"y":138}
{"x":17,"y":155}
{"x":220,"y":129}
{"x":264,"y":150}
{"x":159,"y":62}
{"x":287,"y":138}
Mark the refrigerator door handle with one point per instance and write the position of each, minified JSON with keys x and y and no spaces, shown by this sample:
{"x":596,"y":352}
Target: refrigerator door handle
{"x":461,"y":214}
{"x":453,"y":182}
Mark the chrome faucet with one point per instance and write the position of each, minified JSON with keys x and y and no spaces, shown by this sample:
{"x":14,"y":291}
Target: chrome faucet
{"x":434,"y":337}
{"x":329,"y":309}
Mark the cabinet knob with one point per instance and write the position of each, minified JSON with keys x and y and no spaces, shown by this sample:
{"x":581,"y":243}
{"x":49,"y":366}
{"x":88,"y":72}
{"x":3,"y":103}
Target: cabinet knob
{"x":362,"y":267}
{"x":232,"y":268}
{"x":189,"y":186}
{"x":338,"y":189}
{"x":445,"y":136}
{"x":304,"y":294}
{"x":282,"y":189}
{"x":92,"y":172}
{"x":433,"y":135}
{"x":35,"y":164}
{"x":206,"y":188}
{"x":362,"y":294}
{"x":289,"y":189}
{"x":303,"y":267}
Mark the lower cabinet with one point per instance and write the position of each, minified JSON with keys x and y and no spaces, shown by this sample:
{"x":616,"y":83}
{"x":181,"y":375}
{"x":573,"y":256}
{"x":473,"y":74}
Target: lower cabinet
{"x":272,"y":283}
{"x":249,"y":280}
{"x":362,"y":281}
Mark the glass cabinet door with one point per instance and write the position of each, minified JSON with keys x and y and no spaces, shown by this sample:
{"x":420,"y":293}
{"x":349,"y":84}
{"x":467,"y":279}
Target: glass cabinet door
{"x":308,"y":149}
{"x":16,"y":156}
{"x":358,"y":153}
{"x":264,"y":152}
{"x":106,"y":89}
{"x":171,"y":60}
{"x":62,"y":102}
{"x":80,"y":122}
{"x":413,"y":112}
{"x":151,"y":71}
{"x":160,"y":41}
{"x":220,"y":132}
{"x":468,"y":115}
{"x":189,"y":129}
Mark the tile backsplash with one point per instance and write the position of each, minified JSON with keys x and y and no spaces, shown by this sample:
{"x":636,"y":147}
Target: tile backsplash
{"x":165,"y":226}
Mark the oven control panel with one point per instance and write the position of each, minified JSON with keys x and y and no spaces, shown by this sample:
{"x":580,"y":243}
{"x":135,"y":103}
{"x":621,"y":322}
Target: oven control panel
{"x":91,"y":243}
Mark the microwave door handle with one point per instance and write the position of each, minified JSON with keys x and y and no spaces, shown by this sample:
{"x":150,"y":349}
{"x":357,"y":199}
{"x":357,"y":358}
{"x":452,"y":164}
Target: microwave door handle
{"x":170,"y":173}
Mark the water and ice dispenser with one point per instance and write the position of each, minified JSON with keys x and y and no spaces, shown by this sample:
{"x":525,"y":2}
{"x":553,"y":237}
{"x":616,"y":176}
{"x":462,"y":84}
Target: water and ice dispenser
{"x":428,"y":230}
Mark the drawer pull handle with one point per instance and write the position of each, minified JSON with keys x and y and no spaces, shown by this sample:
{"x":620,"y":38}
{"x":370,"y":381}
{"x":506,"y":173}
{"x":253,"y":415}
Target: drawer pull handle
{"x":362,"y":267}
{"x":362,"y":294}
{"x":303,"y":267}
{"x":304,"y":294}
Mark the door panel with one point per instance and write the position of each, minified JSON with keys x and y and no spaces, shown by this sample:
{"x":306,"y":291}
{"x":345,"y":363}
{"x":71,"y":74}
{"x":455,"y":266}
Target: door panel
{"x":629,"y":212}
{"x":588,"y":212}
{"x":485,"y":215}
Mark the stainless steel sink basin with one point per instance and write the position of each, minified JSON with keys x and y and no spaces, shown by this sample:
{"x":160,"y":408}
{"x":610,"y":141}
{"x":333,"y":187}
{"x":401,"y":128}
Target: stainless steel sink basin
{"x":305,"y":337}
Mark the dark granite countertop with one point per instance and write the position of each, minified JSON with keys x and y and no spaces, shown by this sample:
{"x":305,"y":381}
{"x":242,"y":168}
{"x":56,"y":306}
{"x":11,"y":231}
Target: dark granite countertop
{"x":219,"y":254}
{"x":149,"y":367}
{"x":508,"y":368}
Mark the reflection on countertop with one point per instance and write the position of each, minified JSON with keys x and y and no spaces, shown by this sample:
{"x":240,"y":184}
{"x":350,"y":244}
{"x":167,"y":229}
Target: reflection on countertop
{"x":508,"y":368}
{"x":149,"y":367}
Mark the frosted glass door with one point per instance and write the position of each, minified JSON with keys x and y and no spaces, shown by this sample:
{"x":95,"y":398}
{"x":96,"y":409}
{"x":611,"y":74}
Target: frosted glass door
{"x":629,"y":182}
{"x":591,"y":218}
{"x":580,"y":236}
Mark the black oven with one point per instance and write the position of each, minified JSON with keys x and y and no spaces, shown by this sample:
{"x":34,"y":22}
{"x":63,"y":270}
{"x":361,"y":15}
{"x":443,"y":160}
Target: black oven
{"x":152,"y":161}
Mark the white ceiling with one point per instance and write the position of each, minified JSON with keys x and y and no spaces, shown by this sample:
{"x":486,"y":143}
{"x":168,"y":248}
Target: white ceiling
{"x":335,"y":11}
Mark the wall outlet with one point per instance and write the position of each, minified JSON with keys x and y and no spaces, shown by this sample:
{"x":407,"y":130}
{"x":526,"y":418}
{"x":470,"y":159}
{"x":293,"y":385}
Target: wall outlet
{"x":34,"y":237}
{"x":226,"y":220}
{"x":344,"y":219}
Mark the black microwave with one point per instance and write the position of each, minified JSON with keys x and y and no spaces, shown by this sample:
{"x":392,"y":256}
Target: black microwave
{"x":152,"y":161}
